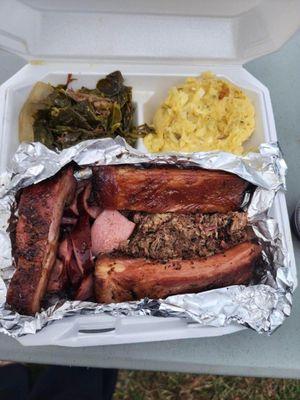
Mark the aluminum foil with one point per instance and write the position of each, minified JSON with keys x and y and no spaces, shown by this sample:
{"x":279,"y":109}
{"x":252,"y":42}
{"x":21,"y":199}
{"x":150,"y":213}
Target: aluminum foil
{"x":262,"y":307}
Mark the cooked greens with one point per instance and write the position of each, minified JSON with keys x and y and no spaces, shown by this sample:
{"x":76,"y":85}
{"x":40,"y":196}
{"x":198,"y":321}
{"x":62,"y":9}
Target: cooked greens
{"x":65,"y":116}
{"x":138,"y":132}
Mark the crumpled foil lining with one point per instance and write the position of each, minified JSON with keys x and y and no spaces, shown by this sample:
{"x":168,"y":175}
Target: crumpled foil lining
{"x":262,"y":307}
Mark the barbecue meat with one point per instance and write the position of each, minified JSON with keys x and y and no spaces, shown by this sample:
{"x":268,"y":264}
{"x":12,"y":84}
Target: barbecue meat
{"x":58,"y":278}
{"x":109,"y":230}
{"x":81,"y":242}
{"x":167,"y":189}
{"x":75,"y":273}
{"x":125,"y":279}
{"x":40,"y":212}
{"x":83,"y":200}
{"x":169,"y":235}
{"x":86,"y":289}
{"x":90,"y":207}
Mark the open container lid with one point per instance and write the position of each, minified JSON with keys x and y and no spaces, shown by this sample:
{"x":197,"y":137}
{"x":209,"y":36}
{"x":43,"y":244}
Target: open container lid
{"x":231,"y":31}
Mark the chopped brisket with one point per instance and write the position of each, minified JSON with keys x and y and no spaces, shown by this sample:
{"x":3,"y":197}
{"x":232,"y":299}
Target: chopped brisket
{"x":167,"y":236}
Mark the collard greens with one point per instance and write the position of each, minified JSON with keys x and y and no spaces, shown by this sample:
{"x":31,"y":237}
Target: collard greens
{"x":60,"y":117}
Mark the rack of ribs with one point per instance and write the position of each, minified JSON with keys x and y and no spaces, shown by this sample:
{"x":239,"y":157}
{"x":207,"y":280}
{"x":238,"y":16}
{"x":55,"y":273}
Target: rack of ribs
{"x":40,"y":211}
{"x":119,"y":279}
{"x":167,"y":189}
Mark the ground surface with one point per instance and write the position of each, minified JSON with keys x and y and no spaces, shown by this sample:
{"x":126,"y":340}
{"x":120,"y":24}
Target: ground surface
{"x":142,"y":385}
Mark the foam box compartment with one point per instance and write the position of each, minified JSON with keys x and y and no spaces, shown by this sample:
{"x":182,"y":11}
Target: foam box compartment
{"x":150,"y":87}
{"x":155,"y":45}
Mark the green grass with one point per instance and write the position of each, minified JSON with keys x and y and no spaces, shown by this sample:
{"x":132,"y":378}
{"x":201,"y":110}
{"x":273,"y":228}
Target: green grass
{"x":142,"y":385}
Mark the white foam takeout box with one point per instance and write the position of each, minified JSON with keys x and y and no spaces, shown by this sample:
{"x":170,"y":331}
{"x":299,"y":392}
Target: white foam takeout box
{"x":155,"y":44}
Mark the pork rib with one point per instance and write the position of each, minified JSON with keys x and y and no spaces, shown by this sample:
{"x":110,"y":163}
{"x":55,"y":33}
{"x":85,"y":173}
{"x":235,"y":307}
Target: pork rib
{"x":40,"y":212}
{"x":166,"y":189}
{"x":124,"y":279}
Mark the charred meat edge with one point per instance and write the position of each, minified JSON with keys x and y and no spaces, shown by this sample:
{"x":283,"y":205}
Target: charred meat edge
{"x":125,"y":279}
{"x":37,"y":239}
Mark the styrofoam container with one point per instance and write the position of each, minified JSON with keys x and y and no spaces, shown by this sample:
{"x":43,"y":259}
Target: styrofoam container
{"x":155,"y":45}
